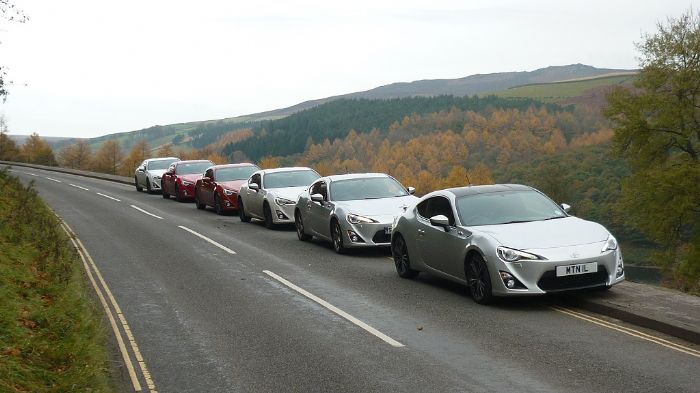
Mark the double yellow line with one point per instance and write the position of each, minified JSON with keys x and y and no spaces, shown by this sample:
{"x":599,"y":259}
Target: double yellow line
{"x":629,"y":331}
{"x":103,"y":293}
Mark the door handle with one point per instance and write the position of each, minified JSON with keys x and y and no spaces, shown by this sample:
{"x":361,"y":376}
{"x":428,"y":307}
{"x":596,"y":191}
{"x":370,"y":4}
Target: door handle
{"x":421,"y":232}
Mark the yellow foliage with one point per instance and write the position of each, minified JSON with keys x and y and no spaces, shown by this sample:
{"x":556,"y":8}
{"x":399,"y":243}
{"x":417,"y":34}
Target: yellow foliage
{"x":269,"y":162}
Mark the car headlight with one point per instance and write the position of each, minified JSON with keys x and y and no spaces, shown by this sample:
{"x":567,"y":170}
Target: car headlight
{"x":512,"y":255}
{"x":284,"y":201}
{"x":229,"y":192}
{"x":356,"y":219}
{"x":156,"y":177}
{"x":187,"y":183}
{"x":610,"y":244}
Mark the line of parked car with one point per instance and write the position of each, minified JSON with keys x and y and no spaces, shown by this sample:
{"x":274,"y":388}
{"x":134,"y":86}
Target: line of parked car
{"x":498,"y":240}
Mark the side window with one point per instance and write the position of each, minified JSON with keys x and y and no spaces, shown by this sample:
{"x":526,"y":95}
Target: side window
{"x":256,"y":178}
{"x":440,"y":205}
{"x":144,"y":164}
{"x":171,"y":168}
{"x":319,"y":188}
{"x":209,"y":173}
{"x":423,"y":208}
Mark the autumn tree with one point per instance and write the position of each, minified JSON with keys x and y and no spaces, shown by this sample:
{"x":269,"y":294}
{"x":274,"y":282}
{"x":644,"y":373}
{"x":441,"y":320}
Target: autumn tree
{"x":166,"y":150}
{"x":269,"y":162}
{"x":8,"y":147}
{"x":76,"y":156}
{"x":657,"y":131}
{"x":35,"y":150}
{"x":139,"y":152}
{"x":108,"y":157}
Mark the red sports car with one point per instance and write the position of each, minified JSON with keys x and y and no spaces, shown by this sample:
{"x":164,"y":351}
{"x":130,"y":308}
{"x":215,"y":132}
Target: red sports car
{"x":220,"y":185}
{"x":180,"y":178}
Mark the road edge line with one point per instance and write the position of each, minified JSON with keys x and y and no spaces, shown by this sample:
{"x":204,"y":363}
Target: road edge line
{"x":90,"y":263}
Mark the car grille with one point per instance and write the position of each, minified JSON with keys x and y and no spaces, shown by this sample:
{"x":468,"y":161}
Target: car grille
{"x":550,"y":282}
{"x":381,"y":237}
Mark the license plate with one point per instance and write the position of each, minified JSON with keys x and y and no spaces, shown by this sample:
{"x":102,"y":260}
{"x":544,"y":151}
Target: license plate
{"x":387,"y":230}
{"x":581,"y":268}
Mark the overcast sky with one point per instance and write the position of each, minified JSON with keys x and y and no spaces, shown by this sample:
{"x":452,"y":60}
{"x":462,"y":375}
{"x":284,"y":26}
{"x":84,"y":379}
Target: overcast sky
{"x":86,"y":68}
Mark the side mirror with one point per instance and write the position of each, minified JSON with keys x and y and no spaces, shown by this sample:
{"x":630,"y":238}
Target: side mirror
{"x":440,"y":221}
{"x":254,"y":186}
{"x":317,"y":198}
{"x":565,"y":207}
{"x":206,"y":178}
{"x":411,"y":190}
{"x":141,"y":169}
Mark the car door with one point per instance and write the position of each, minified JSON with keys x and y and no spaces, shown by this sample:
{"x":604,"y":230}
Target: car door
{"x":208,"y":187}
{"x":256,"y":198}
{"x":318,"y":213}
{"x":440,"y":247}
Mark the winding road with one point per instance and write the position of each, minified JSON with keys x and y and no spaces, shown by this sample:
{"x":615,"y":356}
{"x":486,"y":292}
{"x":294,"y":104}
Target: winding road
{"x":205,"y":303}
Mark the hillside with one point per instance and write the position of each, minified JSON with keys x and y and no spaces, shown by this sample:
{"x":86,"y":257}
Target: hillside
{"x":562,"y":92}
{"x":200,"y":133}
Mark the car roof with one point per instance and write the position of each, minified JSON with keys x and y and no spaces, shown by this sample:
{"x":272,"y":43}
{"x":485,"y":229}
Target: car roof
{"x":485,"y":189}
{"x":351,"y":176}
{"x":161,"y":159}
{"x":286,"y":169}
{"x":189,"y":161}
{"x":240,"y":164}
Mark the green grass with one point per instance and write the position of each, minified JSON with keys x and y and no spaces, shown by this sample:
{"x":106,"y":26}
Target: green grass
{"x":52,"y":337}
{"x":551,"y":92}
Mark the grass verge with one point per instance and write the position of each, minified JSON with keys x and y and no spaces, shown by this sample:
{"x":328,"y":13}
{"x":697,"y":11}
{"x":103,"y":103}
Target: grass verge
{"x":52,"y":337}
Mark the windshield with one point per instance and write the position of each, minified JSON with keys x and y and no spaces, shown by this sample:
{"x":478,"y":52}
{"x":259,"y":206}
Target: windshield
{"x":290,"y":179}
{"x":506,"y":207}
{"x":235,"y":173}
{"x":160,"y":164}
{"x":193,"y":168}
{"x":367,"y":188}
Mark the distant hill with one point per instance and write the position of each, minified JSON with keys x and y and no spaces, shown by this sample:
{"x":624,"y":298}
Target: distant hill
{"x":200,"y":133}
{"x":51,"y":140}
{"x":567,"y":91}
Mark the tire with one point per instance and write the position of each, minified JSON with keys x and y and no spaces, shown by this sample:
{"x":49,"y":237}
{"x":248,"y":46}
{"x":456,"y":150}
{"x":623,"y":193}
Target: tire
{"x":165,"y":193}
{"x":337,"y":238}
{"x":138,"y":186}
{"x":299,"y":224}
{"x":200,"y":206}
{"x":399,"y":250}
{"x":241,"y":211}
{"x":217,"y":205}
{"x":177,"y":193}
{"x":148,"y":186}
{"x":268,"y":217}
{"x":478,"y":279}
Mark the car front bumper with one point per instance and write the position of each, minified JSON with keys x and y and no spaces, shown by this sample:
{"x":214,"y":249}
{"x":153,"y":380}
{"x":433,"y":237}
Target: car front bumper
{"x":282,"y":214}
{"x":540,"y":276}
{"x":367,"y":234}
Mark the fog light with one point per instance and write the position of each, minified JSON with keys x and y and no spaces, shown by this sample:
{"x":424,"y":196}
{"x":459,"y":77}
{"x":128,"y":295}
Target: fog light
{"x":354,"y":237}
{"x":228,"y":204}
{"x":281,"y":215}
{"x":510,"y":282}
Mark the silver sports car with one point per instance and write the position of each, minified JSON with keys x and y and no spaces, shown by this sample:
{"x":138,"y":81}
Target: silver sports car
{"x":271,"y":194}
{"x":504,"y":240}
{"x":150,"y":171}
{"x":354,"y":210}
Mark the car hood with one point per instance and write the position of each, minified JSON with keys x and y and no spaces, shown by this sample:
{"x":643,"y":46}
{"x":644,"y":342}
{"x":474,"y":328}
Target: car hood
{"x":291,"y":193}
{"x":378,"y":208}
{"x":157,"y":172}
{"x":191,"y":178}
{"x":561,"y":232}
{"x":233,"y":184}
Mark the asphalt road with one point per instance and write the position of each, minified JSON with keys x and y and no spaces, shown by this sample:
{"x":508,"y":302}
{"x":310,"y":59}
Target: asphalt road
{"x":207,"y":320}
